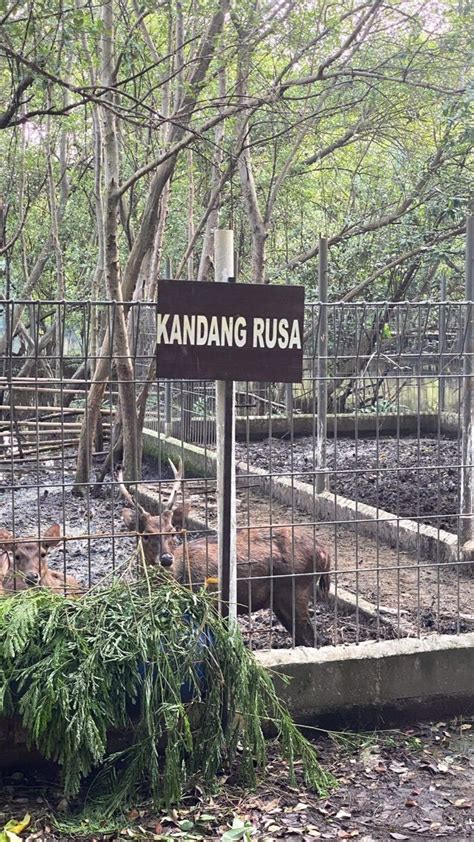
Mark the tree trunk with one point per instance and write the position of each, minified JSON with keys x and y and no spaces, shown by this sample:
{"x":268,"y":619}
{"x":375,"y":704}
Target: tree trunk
{"x":205,"y":263}
{"x":144,"y":241}
{"x":258,"y":229}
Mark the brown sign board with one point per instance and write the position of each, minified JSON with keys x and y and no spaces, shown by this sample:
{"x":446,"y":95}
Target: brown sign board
{"x":227,"y":331}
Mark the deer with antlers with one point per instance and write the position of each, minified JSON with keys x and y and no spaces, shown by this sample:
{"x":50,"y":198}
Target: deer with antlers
{"x":270,"y":563}
{"x":30,"y":567}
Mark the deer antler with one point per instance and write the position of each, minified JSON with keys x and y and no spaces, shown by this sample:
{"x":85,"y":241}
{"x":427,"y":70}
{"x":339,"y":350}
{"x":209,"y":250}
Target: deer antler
{"x":134,"y":504}
{"x":178,"y":478}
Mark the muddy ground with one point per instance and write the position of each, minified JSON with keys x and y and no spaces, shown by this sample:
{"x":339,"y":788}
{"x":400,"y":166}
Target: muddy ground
{"x":413,"y":784}
{"x":414,"y":478}
{"x":418,"y":591}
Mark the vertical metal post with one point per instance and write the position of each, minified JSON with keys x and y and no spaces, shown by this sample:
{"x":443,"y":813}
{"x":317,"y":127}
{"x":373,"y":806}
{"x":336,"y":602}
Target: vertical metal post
{"x":168,"y":383}
{"x":441,"y":343}
{"x":467,"y":485}
{"x":289,"y":399}
{"x":321,"y":480}
{"x":225,"y":432}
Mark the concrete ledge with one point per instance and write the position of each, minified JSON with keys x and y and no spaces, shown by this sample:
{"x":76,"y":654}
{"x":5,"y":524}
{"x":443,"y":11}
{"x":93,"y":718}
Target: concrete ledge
{"x":377,"y":682}
{"x":344,"y":425}
{"x":257,"y":427}
{"x":366,"y":686}
{"x":197,"y":461}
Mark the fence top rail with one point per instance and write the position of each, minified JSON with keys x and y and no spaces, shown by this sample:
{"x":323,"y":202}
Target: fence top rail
{"x":9,"y":302}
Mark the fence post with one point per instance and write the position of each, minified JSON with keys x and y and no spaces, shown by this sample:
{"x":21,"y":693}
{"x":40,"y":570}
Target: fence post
{"x":321,"y":479}
{"x":289,"y":396}
{"x":168,"y":398}
{"x":441,"y":342}
{"x":225,"y":434}
{"x":467,"y":508}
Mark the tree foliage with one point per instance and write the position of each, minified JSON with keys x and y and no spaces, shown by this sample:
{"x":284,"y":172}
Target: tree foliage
{"x":348,"y":119}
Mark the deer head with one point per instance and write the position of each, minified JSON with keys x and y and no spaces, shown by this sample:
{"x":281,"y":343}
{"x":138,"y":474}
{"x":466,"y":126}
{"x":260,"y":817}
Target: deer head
{"x":29,"y":554}
{"x":157,"y":532}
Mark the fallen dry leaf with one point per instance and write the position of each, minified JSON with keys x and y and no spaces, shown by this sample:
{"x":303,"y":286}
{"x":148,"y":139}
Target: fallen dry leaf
{"x":462,"y":804}
{"x":399,"y":768}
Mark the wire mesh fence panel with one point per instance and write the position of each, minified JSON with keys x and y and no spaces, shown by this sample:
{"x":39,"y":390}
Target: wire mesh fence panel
{"x":375,"y":491}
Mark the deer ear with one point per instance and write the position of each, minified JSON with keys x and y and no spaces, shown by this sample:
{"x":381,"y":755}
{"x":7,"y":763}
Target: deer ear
{"x":180,"y":514}
{"x":6,"y":539}
{"x":52,"y":536}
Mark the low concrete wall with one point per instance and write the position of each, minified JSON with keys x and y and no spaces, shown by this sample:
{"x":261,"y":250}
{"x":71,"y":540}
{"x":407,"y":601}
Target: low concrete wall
{"x":376,"y":683}
{"x":413,"y":537}
{"x":370,"y":685}
{"x":257,"y":427}
{"x":343,"y":425}
{"x":197,"y":461}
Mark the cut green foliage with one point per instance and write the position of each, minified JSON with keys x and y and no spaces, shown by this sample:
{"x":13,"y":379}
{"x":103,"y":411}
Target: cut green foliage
{"x":78,"y":671}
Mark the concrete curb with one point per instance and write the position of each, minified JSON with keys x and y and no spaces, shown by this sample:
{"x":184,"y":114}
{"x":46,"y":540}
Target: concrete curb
{"x":376,"y":682}
{"x":257,"y":427}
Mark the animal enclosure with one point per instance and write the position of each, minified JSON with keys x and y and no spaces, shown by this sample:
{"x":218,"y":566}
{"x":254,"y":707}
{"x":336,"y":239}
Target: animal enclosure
{"x":365,"y":462}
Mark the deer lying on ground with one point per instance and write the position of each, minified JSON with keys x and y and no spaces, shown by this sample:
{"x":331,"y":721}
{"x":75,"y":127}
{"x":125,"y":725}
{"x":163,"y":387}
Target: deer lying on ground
{"x":265,"y":562}
{"x":30,"y":567}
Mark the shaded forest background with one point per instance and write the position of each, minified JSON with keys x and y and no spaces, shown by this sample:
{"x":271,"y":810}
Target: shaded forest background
{"x":129,"y":131}
{"x":281,"y":119}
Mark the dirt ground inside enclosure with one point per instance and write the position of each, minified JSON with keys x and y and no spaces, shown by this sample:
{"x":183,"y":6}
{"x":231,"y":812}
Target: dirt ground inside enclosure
{"x":424,"y":596}
{"x":411,"y":784}
{"x":414,"y":478}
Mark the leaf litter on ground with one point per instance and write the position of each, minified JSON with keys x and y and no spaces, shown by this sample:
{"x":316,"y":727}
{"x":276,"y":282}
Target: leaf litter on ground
{"x":376,"y":804}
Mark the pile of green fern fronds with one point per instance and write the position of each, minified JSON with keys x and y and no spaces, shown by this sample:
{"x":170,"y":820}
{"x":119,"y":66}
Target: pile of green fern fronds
{"x":73,"y":670}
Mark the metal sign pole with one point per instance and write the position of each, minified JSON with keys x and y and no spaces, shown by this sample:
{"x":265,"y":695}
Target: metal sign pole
{"x":321,"y":371}
{"x":467,"y":471}
{"x":225,"y":432}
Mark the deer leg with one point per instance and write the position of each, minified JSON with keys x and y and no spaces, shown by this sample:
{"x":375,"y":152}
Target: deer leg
{"x":304,"y":631}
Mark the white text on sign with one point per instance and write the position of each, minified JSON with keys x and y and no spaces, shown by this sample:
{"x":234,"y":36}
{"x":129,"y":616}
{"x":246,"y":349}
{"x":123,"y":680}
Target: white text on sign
{"x":228,"y":331}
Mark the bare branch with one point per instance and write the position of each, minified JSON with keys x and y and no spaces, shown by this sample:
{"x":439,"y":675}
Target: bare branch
{"x":402,"y":258}
{"x":385,"y":219}
{"x":15,"y":104}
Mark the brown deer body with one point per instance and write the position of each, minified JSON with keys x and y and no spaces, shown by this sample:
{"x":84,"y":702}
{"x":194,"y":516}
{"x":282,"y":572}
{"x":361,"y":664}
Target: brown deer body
{"x":30,"y":567}
{"x":267,"y":566}
{"x":276,"y":568}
